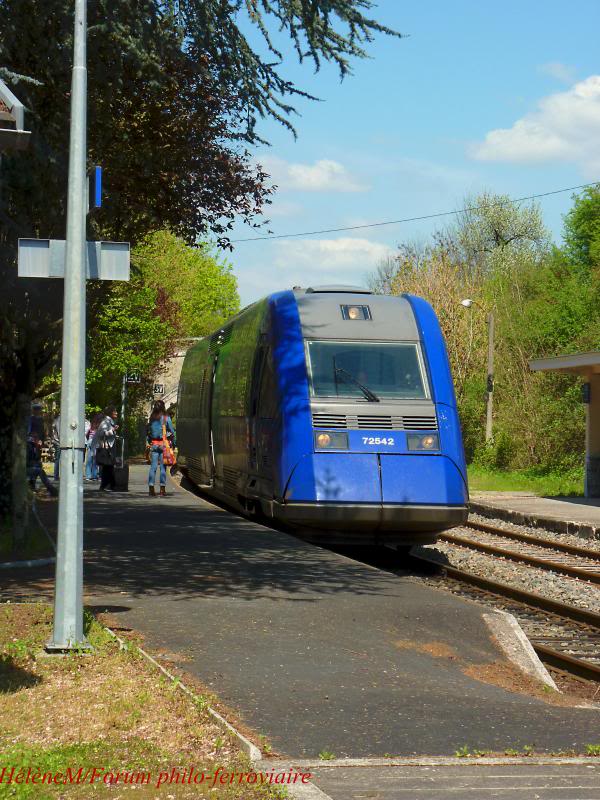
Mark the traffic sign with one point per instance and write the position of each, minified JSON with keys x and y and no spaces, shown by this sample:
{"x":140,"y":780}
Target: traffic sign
{"x":159,"y":388}
{"x":133,"y":377}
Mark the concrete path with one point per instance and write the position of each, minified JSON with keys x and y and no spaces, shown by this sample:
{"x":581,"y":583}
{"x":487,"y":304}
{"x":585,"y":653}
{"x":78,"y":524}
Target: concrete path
{"x":576,"y":515}
{"x":315,"y":650}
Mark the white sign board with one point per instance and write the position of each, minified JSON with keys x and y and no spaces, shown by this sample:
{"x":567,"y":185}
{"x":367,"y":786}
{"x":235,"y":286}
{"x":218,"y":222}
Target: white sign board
{"x":45,"y":258}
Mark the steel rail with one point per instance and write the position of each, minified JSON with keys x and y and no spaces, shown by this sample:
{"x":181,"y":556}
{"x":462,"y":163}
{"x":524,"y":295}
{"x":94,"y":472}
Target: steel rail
{"x":580,"y":667}
{"x":563,"y":547}
{"x":567,"y":663}
{"x":540,"y":563}
{"x":520,"y":595}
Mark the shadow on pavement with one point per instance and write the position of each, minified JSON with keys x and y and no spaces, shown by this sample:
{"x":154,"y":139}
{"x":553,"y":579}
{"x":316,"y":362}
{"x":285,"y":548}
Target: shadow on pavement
{"x":181,"y":547}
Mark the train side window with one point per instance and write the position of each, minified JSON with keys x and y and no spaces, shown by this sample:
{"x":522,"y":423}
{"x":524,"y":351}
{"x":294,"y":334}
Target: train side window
{"x":267,"y":396}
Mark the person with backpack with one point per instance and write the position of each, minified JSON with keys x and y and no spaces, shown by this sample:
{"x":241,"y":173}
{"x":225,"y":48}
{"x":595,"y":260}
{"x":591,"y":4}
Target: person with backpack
{"x":104,"y":443}
{"x":160,"y":436}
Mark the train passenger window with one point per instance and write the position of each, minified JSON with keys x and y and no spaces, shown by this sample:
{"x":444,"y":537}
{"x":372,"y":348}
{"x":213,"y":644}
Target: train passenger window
{"x":387,"y":369}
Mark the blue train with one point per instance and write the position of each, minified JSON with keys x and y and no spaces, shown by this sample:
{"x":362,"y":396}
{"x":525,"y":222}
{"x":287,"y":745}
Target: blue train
{"x":329,"y":409}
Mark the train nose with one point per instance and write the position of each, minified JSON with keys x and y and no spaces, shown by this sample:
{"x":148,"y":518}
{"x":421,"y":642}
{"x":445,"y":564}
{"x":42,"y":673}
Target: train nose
{"x":335,"y":478}
{"x":376,"y":478}
{"x":426,"y":479}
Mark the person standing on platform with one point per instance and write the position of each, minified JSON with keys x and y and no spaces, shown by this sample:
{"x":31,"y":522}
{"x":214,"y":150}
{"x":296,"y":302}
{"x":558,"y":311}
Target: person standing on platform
{"x":159,"y":428}
{"x":105,"y":442}
{"x":36,"y":435}
{"x":56,"y":446}
{"x":91,"y":468}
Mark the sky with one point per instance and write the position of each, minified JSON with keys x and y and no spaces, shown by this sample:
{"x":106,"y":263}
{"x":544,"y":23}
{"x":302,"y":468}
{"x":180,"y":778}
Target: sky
{"x":478,"y":96}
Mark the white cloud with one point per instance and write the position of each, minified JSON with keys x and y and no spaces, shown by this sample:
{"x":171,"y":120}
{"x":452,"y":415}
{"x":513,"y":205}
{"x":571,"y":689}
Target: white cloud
{"x":564,"y":127}
{"x":324,"y":175}
{"x":561,"y":72}
{"x":332,"y":256}
{"x":286,"y":263}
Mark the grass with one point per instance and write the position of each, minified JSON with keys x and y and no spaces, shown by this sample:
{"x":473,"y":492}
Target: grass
{"x":326,"y":755}
{"x":35,"y":541}
{"x":107,"y":712}
{"x":36,"y":544}
{"x":543,"y":484}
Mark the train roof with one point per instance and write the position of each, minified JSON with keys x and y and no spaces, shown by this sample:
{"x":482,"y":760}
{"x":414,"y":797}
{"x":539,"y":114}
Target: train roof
{"x":322,"y":314}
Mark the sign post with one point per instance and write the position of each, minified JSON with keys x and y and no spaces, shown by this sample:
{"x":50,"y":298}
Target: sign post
{"x":74,"y":260}
{"x":68,"y":601}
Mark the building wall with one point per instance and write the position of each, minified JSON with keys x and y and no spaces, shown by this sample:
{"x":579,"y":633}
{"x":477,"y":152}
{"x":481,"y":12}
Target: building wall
{"x":168,"y":377}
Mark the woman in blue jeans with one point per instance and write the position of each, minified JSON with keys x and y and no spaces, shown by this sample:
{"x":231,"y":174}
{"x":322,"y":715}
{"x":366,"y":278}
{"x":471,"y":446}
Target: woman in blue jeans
{"x":154,"y":432}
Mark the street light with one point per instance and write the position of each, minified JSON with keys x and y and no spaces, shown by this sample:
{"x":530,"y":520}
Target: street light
{"x":467,"y":303}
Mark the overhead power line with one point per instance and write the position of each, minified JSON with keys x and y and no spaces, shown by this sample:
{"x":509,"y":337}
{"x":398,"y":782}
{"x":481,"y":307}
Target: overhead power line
{"x":411,"y":219}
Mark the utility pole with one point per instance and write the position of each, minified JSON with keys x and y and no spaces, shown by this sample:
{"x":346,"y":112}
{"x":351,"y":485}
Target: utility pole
{"x":68,"y":601}
{"x":490,"y":380}
{"x":123,"y":412}
{"x":467,"y":303}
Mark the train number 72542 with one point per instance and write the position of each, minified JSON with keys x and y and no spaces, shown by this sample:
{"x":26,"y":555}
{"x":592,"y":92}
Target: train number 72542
{"x":387,"y":440}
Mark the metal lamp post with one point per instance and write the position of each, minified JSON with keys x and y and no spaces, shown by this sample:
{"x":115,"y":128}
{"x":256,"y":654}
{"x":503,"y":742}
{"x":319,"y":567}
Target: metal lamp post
{"x":76,"y":260}
{"x":467,"y":303}
{"x":68,"y":601}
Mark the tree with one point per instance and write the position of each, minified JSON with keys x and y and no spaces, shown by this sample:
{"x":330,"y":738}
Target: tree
{"x":581,"y":232}
{"x":195,"y":279}
{"x":495,"y":253}
{"x":175,"y":91}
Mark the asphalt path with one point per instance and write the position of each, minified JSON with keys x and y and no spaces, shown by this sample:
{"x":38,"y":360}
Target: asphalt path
{"x":560,"y":781}
{"x":314,"y":650}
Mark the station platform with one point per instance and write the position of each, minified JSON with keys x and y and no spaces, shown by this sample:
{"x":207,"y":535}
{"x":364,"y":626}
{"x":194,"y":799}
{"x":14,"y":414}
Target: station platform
{"x":579,"y":516}
{"x":314,"y":650}
{"x":557,"y":779}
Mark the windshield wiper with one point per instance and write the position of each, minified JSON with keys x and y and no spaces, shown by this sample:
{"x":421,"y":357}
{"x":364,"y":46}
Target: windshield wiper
{"x":371,"y":396}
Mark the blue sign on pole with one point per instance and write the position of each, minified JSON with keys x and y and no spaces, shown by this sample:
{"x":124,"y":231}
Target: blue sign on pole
{"x":97,"y":187}
{"x":94,"y":188}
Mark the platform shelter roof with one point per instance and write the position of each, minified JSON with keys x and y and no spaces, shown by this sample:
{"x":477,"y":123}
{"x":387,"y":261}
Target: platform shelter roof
{"x":577,"y":363}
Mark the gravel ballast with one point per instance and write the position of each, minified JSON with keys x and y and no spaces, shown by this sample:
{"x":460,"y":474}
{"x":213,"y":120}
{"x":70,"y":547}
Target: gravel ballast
{"x":531,"y":579}
{"x":593,"y":545}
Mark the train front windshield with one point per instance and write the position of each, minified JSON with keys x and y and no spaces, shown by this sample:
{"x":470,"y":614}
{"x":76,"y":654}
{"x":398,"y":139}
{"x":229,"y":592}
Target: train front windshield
{"x":387,"y":370}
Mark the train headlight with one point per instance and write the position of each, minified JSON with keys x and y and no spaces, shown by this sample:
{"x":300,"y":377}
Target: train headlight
{"x":333,"y":440}
{"x":356,"y":312}
{"x":420,"y":441}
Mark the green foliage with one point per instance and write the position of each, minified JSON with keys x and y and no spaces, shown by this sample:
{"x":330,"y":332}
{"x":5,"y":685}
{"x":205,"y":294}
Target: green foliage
{"x":582,"y":229}
{"x":176,"y":291}
{"x":176,"y":91}
{"x":539,"y":481}
{"x":326,"y":755}
{"x":195,"y":279}
{"x":128,"y":335}
{"x":545,"y":301}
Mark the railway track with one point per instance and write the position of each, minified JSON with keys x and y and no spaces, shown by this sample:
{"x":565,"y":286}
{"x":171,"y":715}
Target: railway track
{"x":548,"y":554}
{"x":564,"y":636}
